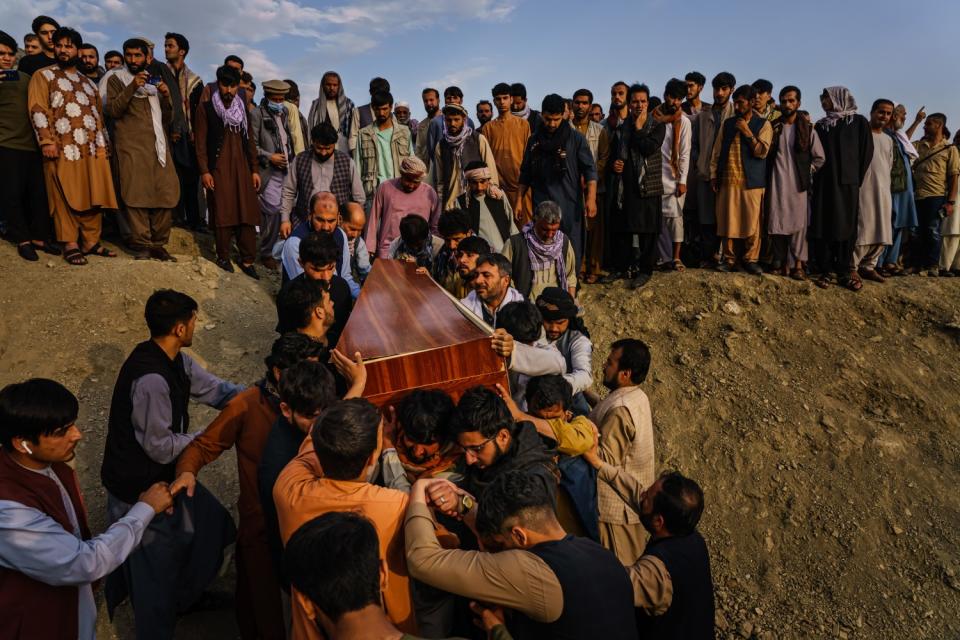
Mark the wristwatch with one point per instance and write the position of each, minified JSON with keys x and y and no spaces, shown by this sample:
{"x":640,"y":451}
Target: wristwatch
{"x":466,"y":503}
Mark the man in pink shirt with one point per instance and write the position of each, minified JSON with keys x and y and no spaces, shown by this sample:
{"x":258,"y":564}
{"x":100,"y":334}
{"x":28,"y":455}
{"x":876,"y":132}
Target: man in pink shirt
{"x":396,"y":198}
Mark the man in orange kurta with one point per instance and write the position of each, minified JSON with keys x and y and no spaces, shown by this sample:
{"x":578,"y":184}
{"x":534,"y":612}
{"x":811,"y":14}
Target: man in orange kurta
{"x":64,"y":108}
{"x":245,"y":424}
{"x":507,"y":135}
{"x":330,"y":474}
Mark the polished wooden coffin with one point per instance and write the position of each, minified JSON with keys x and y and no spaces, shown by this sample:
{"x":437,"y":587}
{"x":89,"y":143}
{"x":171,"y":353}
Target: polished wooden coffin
{"x":412,"y":334}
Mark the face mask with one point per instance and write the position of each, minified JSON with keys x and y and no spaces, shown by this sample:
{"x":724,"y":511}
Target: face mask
{"x":275,"y":107}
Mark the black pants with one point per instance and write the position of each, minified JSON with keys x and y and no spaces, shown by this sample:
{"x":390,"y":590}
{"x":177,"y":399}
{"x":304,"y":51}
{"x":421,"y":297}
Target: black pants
{"x":24,"y":196}
{"x":625,"y":257}
{"x":833,"y":255}
{"x":189,"y":205}
{"x":926,"y":249}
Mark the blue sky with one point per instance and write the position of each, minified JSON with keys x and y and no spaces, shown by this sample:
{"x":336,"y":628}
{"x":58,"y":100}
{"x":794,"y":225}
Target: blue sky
{"x":903,"y":51}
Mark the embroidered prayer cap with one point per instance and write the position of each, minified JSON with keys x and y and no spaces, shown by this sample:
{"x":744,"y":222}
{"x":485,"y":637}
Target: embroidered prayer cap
{"x":145,"y":39}
{"x":455,"y":109}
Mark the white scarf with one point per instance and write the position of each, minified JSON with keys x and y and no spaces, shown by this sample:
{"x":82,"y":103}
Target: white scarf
{"x":149,"y":92}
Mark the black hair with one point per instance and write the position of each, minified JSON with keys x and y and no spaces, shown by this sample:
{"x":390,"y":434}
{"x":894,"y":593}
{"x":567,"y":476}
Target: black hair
{"x":297,"y":301}
{"x":635,"y":356}
{"x":787,"y":89}
{"x":500,"y":89}
{"x":182,"y":42}
{"x":881,"y":101}
{"x":30,"y":37}
{"x":654,"y":102}
{"x":676,"y":88}
{"x":475,"y":164}
{"x":430,"y":90}
{"x":414,"y":229}
{"x":34,"y":408}
{"x":233,"y":58}
{"x":679,"y":502}
{"x":289,"y":349}
{"x":379,"y":84}
{"x":513,"y":494}
{"x":695,"y":77}
{"x":66,"y":33}
{"x":584,"y":92}
{"x":762,"y":86}
{"x":522,"y":320}
{"x":39,"y":21}
{"x":499,"y":261}
{"x":228,"y":76}
{"x":620,"y":83}
{"x":486,"y":102}
{"x":8,"y":41}
{"x":324,"y":133}
{"x":552,"y":104}
{"x":518,"y":90}
{"x":246,"y":76}
{"x":381,"y":98}
{"x":724,"y":79}
{"x":334,"y":560}
{"x":294,"y":92}
{"x":745,"y":91}
{"x":943,"y":119}
{"x":546,"y":391}
{"x":481,"y":409}
{"x":137,"y":44}
{"x":638,"y":88}
{"x":454,"y":91}
{"x":425,"y":416}
{"x":165,"y":309}
{"x":319,"y":249}
{"x":113,"y":53}
{"x":453,"y":221}
{"x":90,"y":45}
{"x":307,"y":387}
{"x":474,"y":244}
{"x":345,"y":436}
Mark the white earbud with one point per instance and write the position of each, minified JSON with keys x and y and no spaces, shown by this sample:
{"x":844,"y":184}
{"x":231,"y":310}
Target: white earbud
{"x":26,"y":446}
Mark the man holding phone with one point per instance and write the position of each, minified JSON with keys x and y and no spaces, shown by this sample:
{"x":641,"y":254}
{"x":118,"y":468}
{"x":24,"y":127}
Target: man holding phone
{"x":25,"y":197}
{"x":139,"y":102}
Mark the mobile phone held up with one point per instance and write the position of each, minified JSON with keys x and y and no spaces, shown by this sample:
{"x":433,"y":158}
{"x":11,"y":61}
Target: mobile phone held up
{"x":154,"y":80}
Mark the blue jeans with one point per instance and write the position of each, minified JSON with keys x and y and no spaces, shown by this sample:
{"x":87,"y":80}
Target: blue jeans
{"x":927,"y":251}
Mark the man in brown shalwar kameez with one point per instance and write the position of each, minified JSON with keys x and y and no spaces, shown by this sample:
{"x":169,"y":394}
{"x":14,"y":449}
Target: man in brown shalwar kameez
{"x":142,"y":112}
{"x":64,"y":109}
{"x":227,"y":157}
{"x":507,"y":135}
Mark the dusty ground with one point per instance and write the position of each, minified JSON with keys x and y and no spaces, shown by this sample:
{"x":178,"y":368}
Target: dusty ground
{"x":823,"y":425}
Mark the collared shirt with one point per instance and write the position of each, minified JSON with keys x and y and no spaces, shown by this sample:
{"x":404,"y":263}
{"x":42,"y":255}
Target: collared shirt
{"x":931,"y":177}
{"x":290,"y":258}
{"x":479,"y":308}
{"x":33,"y":543}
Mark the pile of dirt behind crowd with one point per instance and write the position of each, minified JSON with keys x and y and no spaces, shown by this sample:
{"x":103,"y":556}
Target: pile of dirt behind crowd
{"x":822,"y":425}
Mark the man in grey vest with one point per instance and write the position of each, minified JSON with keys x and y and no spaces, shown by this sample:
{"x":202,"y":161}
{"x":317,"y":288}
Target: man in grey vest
{"x":382,"y":138}
{"x":459,"y":145}
{"x":320,"y":168}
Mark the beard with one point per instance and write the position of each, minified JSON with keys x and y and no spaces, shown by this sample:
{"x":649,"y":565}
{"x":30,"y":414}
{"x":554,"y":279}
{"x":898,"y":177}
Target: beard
{"x":69,"y":63}
{"x":786,"y":113}
{"x":667,"y":109}
{"x":86,"y":68}
{"x":227,"y":99}
{"x":322,"y":157}
{"x":137,"y":68}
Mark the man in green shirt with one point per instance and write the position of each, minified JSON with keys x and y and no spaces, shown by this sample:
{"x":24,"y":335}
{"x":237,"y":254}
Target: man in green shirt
{"x":24,"y":193}
{"x":381,"y":145}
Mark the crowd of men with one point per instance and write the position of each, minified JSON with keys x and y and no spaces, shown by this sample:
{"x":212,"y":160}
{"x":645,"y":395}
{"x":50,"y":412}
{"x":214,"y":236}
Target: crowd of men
{"x":746,"y":182}
{"x":529,"y":512}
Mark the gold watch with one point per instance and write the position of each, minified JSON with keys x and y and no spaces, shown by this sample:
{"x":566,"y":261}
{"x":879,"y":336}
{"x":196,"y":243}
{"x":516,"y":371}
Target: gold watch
{"x":466,"y":504}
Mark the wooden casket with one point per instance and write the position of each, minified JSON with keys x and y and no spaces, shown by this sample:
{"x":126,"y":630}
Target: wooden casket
{"x":413,"y":334}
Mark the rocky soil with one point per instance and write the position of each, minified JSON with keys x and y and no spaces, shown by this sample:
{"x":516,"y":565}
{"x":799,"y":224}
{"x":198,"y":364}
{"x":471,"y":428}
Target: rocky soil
{"x":824,"y":426}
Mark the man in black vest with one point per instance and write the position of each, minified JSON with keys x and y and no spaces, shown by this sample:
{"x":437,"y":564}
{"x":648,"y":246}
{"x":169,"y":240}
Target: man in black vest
{"x":491,"y":215}
{"x":458,"y":146}
{"x":181,"y":553}
{"x":557,"y":585}
{"x":672,"y":584}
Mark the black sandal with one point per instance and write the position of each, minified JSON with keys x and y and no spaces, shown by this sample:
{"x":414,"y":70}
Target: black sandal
{"x":74,"y":257}
{"x":99,"y":250}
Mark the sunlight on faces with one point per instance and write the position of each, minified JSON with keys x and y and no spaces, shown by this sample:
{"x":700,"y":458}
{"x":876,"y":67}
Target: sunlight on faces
{"x":66,"y":52}
{"x":673,"y":103}
{"x":760,"y":101}
{"x":466,"y":262}
{"x":789,"y":103}
{"x":489,"y":283}
{"x":382,"y":113}
{"x":618,"y":96}
{"x":431,"y":102}
{"x":478,"y":186}
{"x":502,"y":102}
{"x":32,"y":47}
{"x":722,"y":94}
{"x":693,"y":89}
{"x":135,"y":60}
{"x":324,"y":217}
{"x":613,"y":377}
{"x":519,"y":103}
{"x":742,"y":106}
{"x":402,"y":114}
{"x":452,"y":241}
{"x":546,"y":231}
{"x":46,"y":36}
{"x":58,"y":446}
{"x":556,"y":328}
{"x":638,"y":103}
{"x":483,"y":452}
{"x":581,"y":107}
{"x":596,"y":114}
{"x":880,"y":117}
{"x":331,"y":86}
{"x":454,"y":123}
{"x":171,"y":50}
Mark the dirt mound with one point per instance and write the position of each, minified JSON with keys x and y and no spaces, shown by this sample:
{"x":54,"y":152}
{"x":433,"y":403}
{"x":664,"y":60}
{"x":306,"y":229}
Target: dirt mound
{"x":822,"y":425}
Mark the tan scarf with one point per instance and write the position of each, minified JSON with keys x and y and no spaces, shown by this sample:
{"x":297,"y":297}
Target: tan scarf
{"x":674,"y":119}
